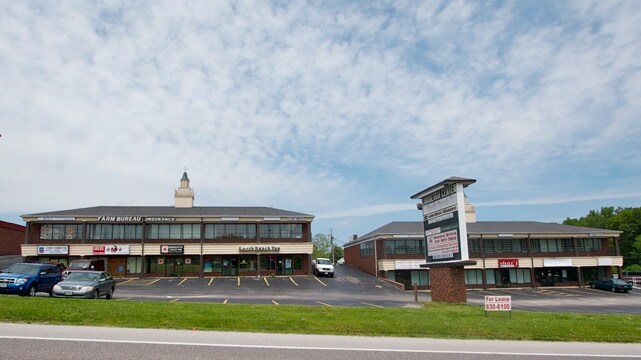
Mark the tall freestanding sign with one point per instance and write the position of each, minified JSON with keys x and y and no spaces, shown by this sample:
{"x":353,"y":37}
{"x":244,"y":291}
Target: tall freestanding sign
{"x":445,"y":229}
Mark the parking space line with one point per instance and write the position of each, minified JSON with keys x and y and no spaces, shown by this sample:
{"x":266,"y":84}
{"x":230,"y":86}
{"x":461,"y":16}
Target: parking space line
{"x":126,"y":281}
{"x":210,"y":281}
{"x":122,"y":299}
{"x":225,"y":302}
{"x":174,"y":300}
{"x":238,"y":281}
{"x":180,"y":283}
{"x":374,"y":305}
{"x":153,"y":282}
{"x":290,"y":278}
{"x":266,"y":282}
{"x":275,"y":303}
{"x":322,"y":303}
{"x":317,"y":279}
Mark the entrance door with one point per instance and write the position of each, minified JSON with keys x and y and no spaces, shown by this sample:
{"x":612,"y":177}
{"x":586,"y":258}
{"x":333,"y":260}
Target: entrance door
{"x":285,"y":266}
{"x":173,"y":266}
{"x":230,"y":265}
{"x":117,"y":266}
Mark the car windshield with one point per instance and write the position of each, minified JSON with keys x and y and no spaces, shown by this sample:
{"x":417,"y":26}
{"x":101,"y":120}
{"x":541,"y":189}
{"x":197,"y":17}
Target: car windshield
{"x":79,"y":265}
{"x":82,"y":276}
{"x":323,"y":261}
{"x":619,"y":281}
{"x":30,"y":269}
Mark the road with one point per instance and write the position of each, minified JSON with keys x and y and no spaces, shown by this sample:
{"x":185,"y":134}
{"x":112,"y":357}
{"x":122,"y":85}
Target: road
{"x":26,"y":341}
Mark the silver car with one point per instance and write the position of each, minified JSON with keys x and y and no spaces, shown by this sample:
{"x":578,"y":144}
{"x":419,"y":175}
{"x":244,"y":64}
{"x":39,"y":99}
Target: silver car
{"x":86,"y":285}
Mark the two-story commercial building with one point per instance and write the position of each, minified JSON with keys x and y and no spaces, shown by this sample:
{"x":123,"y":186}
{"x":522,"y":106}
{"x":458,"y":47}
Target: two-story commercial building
{"x":507,"y":253}
{"x":179,"y":240}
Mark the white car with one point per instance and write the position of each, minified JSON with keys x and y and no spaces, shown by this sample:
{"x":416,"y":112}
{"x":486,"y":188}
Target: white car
{"x":324,"y":267}
{"x":341,"y":261}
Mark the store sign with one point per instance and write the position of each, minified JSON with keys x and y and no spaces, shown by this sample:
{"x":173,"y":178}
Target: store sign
{"x":259,"y":248}
{"x":160,"y":219}
{"x":508,"y":263}
{"x":120,"y":218}
{"x":498,"y":303}
{"x":444,"y":222}
{"x":172,"y":249}
{"x":111,"y":249}
{"x":53,"y":250}
{"x":408,"y":264}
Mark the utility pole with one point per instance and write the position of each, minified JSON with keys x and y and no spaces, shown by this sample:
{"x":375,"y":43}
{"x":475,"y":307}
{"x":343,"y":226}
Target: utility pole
{"x":331,"y":238}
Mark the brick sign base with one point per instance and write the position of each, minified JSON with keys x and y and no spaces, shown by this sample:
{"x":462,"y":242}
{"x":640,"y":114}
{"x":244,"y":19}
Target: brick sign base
{"x":448,"y":281}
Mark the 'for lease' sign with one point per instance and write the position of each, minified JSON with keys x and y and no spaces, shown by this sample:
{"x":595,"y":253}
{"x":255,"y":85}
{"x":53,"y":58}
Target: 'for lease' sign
{"x":498,"y":303}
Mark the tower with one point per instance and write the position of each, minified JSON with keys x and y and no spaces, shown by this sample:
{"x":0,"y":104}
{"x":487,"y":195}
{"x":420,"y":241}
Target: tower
{"x":184,"y":196}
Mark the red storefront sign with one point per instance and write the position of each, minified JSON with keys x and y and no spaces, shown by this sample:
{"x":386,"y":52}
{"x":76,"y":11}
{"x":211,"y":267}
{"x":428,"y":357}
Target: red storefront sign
{"x":508,"y":263}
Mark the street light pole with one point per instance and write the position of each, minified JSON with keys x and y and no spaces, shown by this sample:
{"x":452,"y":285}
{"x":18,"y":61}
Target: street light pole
{"x":331,"y":238}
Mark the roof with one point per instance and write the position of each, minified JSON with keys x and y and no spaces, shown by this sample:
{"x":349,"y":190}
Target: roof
{"x":415,"y":228}
{"x":205,"y":211}
{"x":12,"y":226}
{"x":185,"y":176}
{"x":450,"y":180}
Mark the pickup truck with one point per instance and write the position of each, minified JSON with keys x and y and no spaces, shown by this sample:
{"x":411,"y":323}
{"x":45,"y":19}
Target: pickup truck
{"x":27,"y":279}
{"x":323,"y":266}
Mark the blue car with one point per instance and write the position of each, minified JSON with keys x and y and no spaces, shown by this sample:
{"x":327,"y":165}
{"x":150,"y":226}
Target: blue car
{"x":27,"y":279}
{"x":611,"y":284}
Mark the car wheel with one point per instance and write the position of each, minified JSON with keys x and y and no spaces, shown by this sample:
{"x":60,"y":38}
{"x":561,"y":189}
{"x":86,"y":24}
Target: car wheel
{"x":331,"y":275}
{"x":613,"y":290}
{"x":50,"y":293}
{"x":593,"y":286}
{"x":96,"y":294}
{"x":32,"y":290}
{"x":110,"y":294}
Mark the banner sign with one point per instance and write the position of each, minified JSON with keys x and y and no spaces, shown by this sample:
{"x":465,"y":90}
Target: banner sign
{"x":53,"y":250}
{"x":172,"y":249}
{"x":259,"y":248}
{"x":508,"y":263}
{"x":111,"y":249}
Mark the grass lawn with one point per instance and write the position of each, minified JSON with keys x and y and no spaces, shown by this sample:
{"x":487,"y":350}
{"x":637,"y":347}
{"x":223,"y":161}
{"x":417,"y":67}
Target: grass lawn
{"x":433,"y":320}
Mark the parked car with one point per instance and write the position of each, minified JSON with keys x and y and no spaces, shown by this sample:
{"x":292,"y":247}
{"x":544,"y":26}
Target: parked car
{"x":84,"y":264}
{"x":29,"y":278}
{"x":86,"y":284}
{"x":611,"y":284}
{"x":341,"y":261}
{"x":323,"y":266}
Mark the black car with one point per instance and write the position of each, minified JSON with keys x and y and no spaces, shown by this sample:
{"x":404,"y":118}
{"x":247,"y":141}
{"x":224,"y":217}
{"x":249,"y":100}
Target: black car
{"x":612,"y":284}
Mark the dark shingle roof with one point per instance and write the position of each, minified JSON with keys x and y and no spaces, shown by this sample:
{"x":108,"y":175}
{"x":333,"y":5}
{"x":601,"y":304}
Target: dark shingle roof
{"x":245,"y":211}
{"x":451,"y":179}
{"x":415,"y":228}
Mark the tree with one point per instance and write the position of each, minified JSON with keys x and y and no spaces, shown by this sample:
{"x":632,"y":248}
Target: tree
{"x":322,"y":246}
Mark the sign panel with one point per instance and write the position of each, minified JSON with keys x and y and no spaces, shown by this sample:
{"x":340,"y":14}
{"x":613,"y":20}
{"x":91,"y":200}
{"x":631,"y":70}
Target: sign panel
{"x":498,"y":303}
{"x":53,"y":250}
{"x":172,"y":249}
{"x":259,"y":248}
{"x":408,"y":264}
{"x":508,"y":263}
{"x":111,"y":249}
{"x":444,"y":224}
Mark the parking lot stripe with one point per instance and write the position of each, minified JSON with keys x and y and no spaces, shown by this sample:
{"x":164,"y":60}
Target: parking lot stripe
{"x":225,"y":302}
{"x":238,"y":281}
{"x":180,"y":283}
{"x":322,"y":303}
{"x":122,"y":299}
{"x":266,"y":282}
{"x":374,"y":305}
{"x":153,"y":282}
{"x":174,"y":300}
{"x":290,"y":278}
{"x":275,"y":303}
{"x":317,"y":279}
{"x":210,"y":281}
{"x":126,"y":281}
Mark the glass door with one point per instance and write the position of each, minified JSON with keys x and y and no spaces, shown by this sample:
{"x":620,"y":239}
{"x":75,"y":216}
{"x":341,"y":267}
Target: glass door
{"x":285,"y":266}
{"x":230,"y":266}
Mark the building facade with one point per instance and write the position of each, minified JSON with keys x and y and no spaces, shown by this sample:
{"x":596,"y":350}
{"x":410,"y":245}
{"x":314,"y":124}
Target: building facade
{"x":507,"y":254}
{"x":179,"y":240}
{"x":11,"y":237}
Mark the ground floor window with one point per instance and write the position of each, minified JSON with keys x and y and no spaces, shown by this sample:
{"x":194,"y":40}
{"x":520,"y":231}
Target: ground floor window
{"x":247,"y":263}
{"x":473,"y":277}
{"x":298,"y":263}
{"x":212,"y":263}
{"x":411,"y":277}
{"x":552,"y":276}
{"x":134,"y":265}
{"x":268,"y":262}
{"x":173,"y":265}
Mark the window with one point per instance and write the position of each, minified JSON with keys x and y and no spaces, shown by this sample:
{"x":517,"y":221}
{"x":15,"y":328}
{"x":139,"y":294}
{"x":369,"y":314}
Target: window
{"x":587,"y":245}
{"x":520,"y":276}
{"x":473,"y":246}
{"x":504,"y":246}
{"x":247,"y":263}
{"x":404,"y":247}
{"x":268,"y":262}
{"x":230,"y":231}
{"x":473,"y":277}
{"x":552,"y":245}
{"x":173,"y":231}
{"x":61,"y":231}
{"x":115,"y":231}
{"x":367,"y":248}
{"x":281,"y":231}
{"x":298,"y":263}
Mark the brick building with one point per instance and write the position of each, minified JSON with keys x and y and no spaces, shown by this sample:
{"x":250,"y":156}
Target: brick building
{"x":11,"y":237}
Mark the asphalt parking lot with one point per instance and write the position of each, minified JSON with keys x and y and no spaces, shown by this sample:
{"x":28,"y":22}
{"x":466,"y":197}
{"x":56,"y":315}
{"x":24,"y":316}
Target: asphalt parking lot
{"x":351,"y":287}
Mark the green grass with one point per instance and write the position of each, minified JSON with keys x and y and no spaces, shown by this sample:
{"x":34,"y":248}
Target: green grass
{"x":433,"y":320}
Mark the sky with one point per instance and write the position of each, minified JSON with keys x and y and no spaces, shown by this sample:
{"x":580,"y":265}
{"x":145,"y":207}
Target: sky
{"x":338,"y":109}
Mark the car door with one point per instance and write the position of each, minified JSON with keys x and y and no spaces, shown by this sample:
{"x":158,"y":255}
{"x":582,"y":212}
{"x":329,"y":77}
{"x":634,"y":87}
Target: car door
{"x":103,"y":284}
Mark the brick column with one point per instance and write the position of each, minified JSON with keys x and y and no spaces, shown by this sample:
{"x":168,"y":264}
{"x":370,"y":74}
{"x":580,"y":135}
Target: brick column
{"x":448,"y":282}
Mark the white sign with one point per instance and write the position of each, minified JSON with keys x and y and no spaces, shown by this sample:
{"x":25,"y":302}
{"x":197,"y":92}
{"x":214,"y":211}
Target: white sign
{"x":53,"y":250}
{"x":408,"y":264}
{"x":111,"y":249}
{"x":498,"y":303}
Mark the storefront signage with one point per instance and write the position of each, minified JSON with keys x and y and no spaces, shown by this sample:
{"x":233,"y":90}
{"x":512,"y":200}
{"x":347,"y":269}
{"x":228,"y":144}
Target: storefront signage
{"x":110,"y":249}
{"x":498,"y":303}
{"x":172,"y":249}
{"x":408,"y":264}
{"x":295,"y":219}
{"x":508,"y":263}
{"x":160,"y":219}
{"x":444,"y":224}
{"x":53,"y":250}
{"x":57,"y":218}
{"x":120,"y":218}
{"x":259,"y":248}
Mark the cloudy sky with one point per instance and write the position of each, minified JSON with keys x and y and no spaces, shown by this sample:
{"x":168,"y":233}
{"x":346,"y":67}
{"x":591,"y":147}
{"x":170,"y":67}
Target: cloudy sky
{"x":338,"y":109}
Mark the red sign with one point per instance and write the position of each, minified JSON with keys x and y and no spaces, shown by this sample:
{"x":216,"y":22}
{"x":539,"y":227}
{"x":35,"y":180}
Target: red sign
{"x":508,"y":263}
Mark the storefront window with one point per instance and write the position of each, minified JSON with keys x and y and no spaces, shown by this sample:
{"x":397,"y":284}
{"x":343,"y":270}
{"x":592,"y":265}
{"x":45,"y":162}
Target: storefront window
{"x":212,"y":264}
{"x":247,"y":263}
{"x":134,"y":265}
{"x":298,"y":263}
{"x":473,"y":277}
{"x":268,"y":262}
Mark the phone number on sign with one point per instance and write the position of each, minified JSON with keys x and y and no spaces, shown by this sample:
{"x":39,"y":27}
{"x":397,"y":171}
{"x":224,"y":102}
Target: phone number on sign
{"x":498,"y":306}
